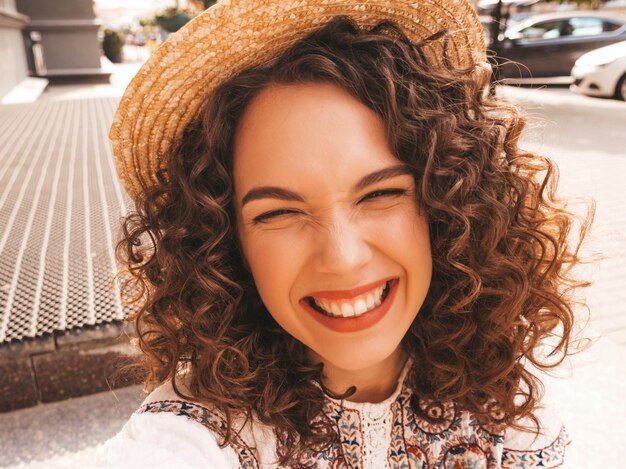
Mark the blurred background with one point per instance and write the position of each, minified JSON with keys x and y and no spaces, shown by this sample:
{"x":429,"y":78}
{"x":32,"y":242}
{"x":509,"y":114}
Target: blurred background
{"x":65,"y":65}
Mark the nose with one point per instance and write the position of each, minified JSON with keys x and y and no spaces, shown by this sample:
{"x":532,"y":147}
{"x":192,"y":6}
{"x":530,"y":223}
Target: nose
{"x":343,"y":247}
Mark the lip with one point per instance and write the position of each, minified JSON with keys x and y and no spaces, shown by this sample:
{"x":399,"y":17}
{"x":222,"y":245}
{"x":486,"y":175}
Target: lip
{"x":348,"y":294}
{"x":361,"y":322}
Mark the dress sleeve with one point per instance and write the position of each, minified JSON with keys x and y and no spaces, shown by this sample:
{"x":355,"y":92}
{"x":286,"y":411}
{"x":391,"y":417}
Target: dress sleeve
{"x":164,"y":440}
{"x":550,"y":449}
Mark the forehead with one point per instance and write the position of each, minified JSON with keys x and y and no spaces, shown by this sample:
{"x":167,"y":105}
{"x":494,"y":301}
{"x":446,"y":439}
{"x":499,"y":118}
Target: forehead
{"x":291,"y":134}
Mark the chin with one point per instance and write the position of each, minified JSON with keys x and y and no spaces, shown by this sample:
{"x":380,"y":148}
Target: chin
{"x":358,"y":357}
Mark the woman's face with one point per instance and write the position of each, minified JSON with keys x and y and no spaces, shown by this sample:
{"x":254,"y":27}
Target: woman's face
{"x":329,"y":223}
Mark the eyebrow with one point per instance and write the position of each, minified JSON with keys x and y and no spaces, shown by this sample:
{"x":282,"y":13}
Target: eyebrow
{"x":274,"y":192}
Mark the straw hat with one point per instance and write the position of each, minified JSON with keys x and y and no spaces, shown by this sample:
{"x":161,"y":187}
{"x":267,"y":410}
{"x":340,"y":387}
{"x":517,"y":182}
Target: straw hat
{"x":232,"y":35}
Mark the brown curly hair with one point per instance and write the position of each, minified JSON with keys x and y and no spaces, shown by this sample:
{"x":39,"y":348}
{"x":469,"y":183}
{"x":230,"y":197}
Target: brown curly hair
{"x":499,"y":237}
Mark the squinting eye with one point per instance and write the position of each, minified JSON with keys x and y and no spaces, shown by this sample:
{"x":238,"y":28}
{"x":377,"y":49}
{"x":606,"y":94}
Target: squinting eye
{"x":273,"y":214}
{"x":382,"y":193}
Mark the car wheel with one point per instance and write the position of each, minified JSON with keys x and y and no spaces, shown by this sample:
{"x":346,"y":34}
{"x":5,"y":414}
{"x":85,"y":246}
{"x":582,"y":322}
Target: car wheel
{"x":620,"y":89}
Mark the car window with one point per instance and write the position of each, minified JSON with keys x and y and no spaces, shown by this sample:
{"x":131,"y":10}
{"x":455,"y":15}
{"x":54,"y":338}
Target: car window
{"x":611,"y":26}
{"x":584,"y":27}
{"x":542,"y":30}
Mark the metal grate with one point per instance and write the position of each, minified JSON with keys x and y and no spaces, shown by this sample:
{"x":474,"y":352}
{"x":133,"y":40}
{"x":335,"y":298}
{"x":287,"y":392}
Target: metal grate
{"x":60,"y":209}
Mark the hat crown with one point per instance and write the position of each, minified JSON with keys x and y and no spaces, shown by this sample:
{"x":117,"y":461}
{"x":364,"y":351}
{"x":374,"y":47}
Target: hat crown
{"x":169,"y":89}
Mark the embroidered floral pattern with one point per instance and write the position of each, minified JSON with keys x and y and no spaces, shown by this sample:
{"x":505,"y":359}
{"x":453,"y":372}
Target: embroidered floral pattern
{"x":440,"y":414}
{"x":402,"y":455}
{"x":455,"y":439}
{"x":448,"y":438}
{"x":465,"y":456}
{"x":549,"y":457}
{"x":348,"y":422}
{"x":342,"y":456}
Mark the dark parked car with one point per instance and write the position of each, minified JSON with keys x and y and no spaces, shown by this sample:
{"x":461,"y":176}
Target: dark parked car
{"x":548,"y":45}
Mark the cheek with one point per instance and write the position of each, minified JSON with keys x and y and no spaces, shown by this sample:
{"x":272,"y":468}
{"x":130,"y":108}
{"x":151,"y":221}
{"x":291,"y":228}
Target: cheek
{"x":420,"y":257}
{"x":405,"y":239}
{"x":418,"y":239}
{"x":402,"y":233}
{"x":275,"y":259}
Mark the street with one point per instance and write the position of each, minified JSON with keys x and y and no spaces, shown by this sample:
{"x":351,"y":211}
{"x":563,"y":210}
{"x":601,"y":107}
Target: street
{"x":587,"y":139}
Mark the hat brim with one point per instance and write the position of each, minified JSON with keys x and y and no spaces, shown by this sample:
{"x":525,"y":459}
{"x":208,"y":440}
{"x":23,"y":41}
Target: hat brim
{"x":172,"y":85}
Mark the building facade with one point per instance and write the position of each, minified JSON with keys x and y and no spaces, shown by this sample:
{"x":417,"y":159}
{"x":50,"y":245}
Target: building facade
{"x":12,"y":51}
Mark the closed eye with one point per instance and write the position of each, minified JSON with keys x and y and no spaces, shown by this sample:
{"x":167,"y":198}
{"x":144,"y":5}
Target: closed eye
{"x":273,"y":214}
{"x":383,"y":193}
{"x":378,"y":194}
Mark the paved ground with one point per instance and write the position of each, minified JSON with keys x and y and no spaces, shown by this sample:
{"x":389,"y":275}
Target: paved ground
{"x":64,"y":435}
{"x":585,"y":136}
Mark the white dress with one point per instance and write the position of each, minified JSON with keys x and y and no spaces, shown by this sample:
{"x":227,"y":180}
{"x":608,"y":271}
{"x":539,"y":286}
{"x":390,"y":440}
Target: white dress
{"x":167,"y":432}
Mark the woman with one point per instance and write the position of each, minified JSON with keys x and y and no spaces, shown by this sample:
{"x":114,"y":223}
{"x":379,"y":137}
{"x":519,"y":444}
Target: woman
{"x":349,"y":261}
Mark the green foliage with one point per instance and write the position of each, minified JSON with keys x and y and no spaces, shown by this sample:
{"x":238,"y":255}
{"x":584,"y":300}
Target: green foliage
{"x":581,"y":3}
{"x":173,"y":19}
{"x":112,"y":45}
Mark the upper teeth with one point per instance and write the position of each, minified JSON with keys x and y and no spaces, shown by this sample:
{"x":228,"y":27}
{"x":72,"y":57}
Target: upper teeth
{"x":353,"y":307}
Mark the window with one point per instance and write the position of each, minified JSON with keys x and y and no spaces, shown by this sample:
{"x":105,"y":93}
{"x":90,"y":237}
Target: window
{"x":585,"y":26}
{"x":543,"y":30}
{"x":611,"y":26}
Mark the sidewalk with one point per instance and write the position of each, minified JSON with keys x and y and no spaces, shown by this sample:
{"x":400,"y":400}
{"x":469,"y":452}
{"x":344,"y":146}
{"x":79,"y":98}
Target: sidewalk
{"x":585,"y":137}
{"x":60,"y":210}
{"x":64,"y":434}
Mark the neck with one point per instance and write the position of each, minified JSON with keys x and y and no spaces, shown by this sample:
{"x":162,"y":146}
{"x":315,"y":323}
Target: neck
{"x":373,"y":384}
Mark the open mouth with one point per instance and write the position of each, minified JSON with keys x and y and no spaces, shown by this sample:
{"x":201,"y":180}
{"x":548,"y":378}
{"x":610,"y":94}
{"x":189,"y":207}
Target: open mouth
{"x":353,"y":307}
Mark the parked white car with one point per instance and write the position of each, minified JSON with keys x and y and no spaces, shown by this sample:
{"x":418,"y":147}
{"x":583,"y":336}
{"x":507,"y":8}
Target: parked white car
{"x":602,"y":72}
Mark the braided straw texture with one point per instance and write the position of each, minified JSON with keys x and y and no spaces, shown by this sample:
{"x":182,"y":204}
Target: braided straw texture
{"x":232,"y":35}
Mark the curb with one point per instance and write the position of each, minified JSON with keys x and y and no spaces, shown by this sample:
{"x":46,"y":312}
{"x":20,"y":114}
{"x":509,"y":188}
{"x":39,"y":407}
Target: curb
{"x":66,"y":364}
